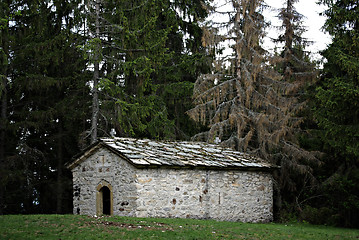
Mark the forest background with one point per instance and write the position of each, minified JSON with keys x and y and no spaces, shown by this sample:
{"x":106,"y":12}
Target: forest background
{"x":70,"y":71}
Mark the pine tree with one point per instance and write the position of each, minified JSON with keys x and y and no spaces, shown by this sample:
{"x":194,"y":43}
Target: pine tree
{"x":245,"y":105}
{"x":137,"y":45}
{"x":46,"y":104}
{"x":248,"y":105}
{"x":222,"y":98}
{"x":294,"y":62}
{"x":336,"y":111}
{"x":188,"y":59}
{"x":298,"y":72}
{"x":4,"y":55}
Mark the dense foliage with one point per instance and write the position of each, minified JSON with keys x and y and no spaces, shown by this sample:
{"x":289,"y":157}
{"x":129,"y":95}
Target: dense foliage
{"x":143,"y":53}
{"x":332,"y":124}
{"x":251,"y":100}
{"x":336,"y":111}
{"x":72,"y":70}
{"x":299,"y":72}
{"x":147,"y":60}
{"x":45,"y":105}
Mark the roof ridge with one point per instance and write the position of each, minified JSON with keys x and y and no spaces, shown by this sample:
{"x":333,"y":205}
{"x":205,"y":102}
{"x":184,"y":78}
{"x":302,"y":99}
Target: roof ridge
{"x":147,"y":152}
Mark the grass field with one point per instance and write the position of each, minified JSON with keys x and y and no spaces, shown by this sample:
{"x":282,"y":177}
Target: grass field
{"x":84,"y":227}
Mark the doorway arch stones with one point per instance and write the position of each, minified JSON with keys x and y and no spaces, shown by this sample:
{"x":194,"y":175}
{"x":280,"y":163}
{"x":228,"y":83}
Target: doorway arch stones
{"x":100,"y":198}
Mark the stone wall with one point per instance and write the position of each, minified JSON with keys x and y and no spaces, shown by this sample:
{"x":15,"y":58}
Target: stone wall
{"x":184,"y":193}
{"x":205,"y":194}
{"x":104,"y":166}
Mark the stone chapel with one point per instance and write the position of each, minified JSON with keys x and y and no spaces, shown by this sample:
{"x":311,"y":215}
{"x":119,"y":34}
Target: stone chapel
{"x":147,"y":178}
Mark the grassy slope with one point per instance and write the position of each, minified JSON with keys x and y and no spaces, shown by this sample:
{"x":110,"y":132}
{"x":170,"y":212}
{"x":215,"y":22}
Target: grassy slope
{"x":83,"y":227}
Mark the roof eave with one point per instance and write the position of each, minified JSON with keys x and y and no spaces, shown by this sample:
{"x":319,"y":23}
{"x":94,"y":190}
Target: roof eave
{"x":79,"y":158}
{"x":97,"y":145}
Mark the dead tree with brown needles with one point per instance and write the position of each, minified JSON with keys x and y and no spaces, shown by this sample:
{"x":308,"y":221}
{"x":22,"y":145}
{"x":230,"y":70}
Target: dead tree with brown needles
{"x":245,"y":103}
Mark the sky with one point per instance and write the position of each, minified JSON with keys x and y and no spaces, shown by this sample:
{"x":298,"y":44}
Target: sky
{"x":312,"y":21}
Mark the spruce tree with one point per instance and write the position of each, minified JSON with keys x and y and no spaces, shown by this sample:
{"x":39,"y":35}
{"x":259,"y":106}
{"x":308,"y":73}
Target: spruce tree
{"x":336,"y":111}
{"x":251,"y":100}
{"x":175,"y":79}
{"x":141,"y":52}
{"x":299,"y":74}
{"x":337,"y":94}
{"x":45,"y":106}
{"x":243,"y":101}
{"x":4,"y":56}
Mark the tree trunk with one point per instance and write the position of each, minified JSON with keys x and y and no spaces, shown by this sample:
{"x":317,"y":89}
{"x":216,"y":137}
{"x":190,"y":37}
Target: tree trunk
{"x":3,"y":121}
{"x":4,"y":41}
{"x":95,"y":104}
{"x":60,"y":162}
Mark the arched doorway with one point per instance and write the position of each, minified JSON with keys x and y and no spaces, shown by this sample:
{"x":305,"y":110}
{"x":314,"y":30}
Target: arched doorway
{"x":104,"y":199}
{"x":106,"y":203}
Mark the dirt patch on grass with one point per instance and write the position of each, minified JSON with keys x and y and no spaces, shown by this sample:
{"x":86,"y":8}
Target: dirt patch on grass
{"x":130,"y":226}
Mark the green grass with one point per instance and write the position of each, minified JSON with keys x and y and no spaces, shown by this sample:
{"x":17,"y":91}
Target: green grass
{"x":84,"y":227}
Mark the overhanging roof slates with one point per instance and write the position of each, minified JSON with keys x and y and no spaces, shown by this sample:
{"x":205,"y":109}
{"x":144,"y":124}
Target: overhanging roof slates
{"x":183,"y":154}
{"x":145,"y":152}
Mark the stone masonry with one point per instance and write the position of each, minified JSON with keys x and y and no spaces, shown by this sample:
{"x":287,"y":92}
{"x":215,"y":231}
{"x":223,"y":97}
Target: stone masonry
{"x":221,"y":194}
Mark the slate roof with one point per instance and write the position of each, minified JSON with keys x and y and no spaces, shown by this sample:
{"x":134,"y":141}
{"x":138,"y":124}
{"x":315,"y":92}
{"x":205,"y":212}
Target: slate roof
{"x":151,"y":153}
